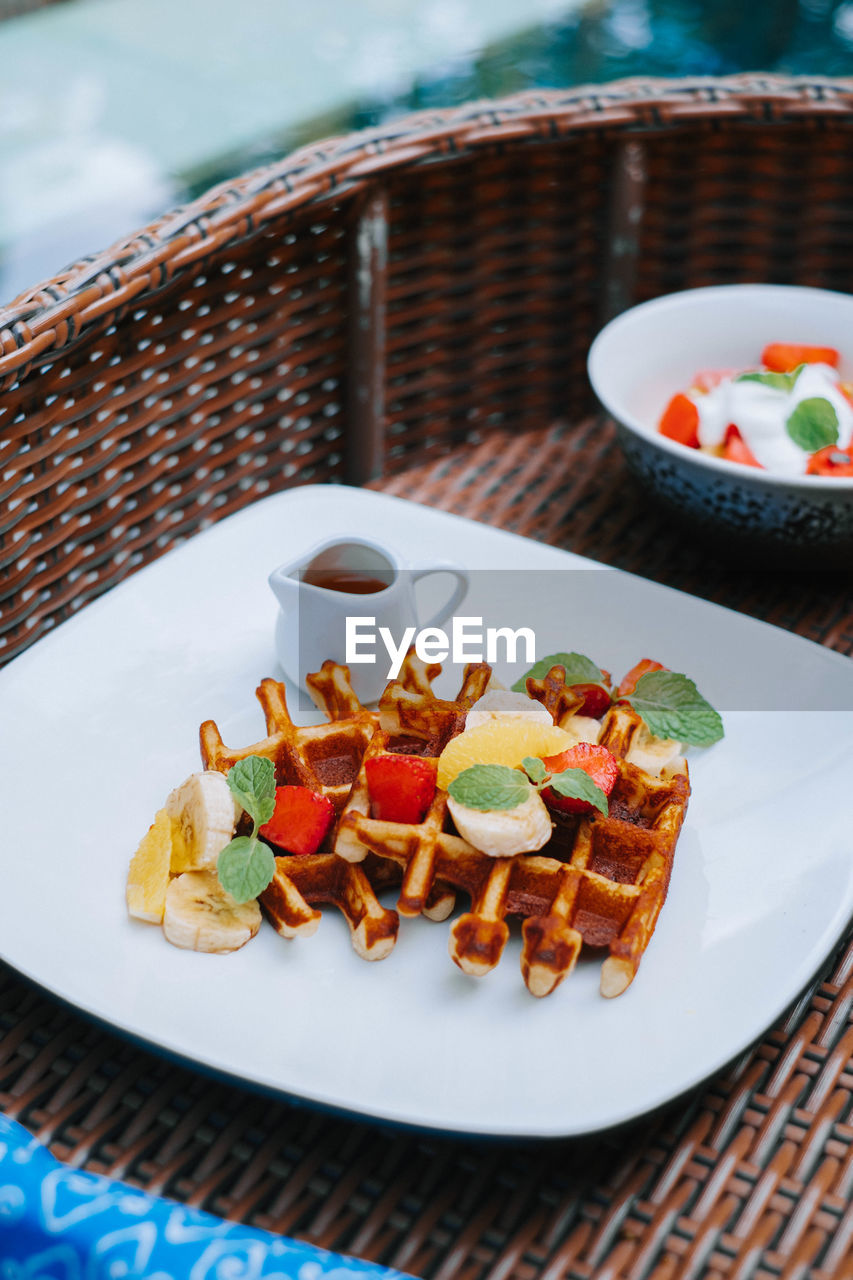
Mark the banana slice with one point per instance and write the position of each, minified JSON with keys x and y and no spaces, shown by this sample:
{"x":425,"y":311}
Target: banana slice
{"x":500,"y":704}
{"x":501,"y":833}
{"x":204,"y":817}
{"x":201,"y":916}
{"x":652,"y":754}
{"x":582,"y":728}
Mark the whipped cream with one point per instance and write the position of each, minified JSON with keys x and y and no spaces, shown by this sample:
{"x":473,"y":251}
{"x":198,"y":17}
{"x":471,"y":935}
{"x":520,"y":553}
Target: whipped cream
{"x":760,"y":412}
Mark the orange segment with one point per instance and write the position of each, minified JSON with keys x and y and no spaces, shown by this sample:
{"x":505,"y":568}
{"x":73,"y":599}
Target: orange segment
{"x":148,"y":875}
{"x":500,"y":741}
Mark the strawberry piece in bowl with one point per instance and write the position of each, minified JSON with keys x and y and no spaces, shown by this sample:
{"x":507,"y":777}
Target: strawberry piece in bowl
{"x":598,"y":762}
{"x":735,"y":448}
{"x":830,"y":461}
{"x":401,"y":787}
{"x":300,"y":821}
{"x":680,"y":421}
{"x":784,"y":357}
{"x":706,"y":379}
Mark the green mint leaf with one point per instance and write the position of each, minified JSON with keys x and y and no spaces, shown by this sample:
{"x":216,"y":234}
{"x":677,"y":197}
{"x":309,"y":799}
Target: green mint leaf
{"x":672,"y":707}
{"x":578,"y":785}
{"x":813,"y":424}
{"x":245,"y":867}
{"x":489,"y":786}
{"x":779,"y":381}
{"x":252,"y":783}
{"x":579,"y":670}
{"x":534,"y":769}
{"x":266,"y":809}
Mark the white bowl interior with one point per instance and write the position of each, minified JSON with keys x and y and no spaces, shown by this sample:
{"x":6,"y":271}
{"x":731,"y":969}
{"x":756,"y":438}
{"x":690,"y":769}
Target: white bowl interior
{"x":640,"y":359}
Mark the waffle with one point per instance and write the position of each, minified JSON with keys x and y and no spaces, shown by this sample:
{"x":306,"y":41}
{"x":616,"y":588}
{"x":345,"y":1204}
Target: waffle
{"x":327,"y":758}
{"x":414,"y":721}
{"x":302,"y":881}
{"x":324,"y":757}
{"x":600,"y":879}
{"x":559,"y":699}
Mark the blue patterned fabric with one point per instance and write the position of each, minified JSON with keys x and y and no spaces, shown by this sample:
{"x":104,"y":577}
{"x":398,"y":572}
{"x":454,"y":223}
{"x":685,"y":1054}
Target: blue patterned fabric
{"x":57,"y":1223}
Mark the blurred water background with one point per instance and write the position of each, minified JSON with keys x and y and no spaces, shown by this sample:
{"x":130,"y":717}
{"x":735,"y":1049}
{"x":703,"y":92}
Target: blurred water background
{"x":111,"y":111}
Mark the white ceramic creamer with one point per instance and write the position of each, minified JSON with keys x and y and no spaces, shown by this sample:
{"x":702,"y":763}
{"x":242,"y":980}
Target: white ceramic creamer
{"x":345,"y":578}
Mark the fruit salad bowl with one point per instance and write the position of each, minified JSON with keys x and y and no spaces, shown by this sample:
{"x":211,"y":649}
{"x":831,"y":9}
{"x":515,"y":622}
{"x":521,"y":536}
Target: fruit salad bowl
{"x":640,"y":359}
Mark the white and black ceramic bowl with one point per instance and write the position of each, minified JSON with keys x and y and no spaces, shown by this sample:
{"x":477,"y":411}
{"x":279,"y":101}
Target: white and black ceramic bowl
{"x":640,"y":359}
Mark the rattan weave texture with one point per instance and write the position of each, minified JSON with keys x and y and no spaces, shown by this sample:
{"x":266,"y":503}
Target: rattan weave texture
{"x":749,"y":1178}
{"x":375,"y":298}
{"x":417,"y":301}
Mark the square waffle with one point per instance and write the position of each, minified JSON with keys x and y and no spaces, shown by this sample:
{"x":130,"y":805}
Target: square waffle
{"x":601,"y":880}
{"x":412,"y":719}
{"x":328,"y":759}
{"x":325,"y":757}
{"x":301,"y":883}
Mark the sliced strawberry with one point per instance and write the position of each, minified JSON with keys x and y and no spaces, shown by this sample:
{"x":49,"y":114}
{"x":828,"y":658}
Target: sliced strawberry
{"x":735,"y":448}
{"x":629,"y":681}
{"x":596,"y":700}
{"x":707,"y":379}
{"x":300,"y":821}
{"x":598,"y":762}
{"x":401,"y":787}
{"x":782,"y":357}
{"x":830,"y":461}
{"x":680,"y":421}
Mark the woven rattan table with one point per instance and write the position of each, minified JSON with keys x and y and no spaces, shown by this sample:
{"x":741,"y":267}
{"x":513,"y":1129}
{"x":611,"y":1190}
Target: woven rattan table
{"x":411,"y":308}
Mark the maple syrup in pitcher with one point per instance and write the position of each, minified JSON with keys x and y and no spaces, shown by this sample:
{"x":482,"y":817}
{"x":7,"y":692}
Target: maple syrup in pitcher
{"x":354,"y":582}
{"x":314,"y":626}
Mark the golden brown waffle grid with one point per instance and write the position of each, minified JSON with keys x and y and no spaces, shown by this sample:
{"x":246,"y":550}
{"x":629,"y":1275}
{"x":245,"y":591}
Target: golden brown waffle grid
{"x":600,"y":880}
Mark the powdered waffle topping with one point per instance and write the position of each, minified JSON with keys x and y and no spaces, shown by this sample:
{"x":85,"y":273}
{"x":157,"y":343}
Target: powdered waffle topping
{"x":600,"y":879}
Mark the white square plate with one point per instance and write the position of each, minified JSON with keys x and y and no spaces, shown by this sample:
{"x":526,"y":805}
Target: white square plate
{"x":100,"y":720}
